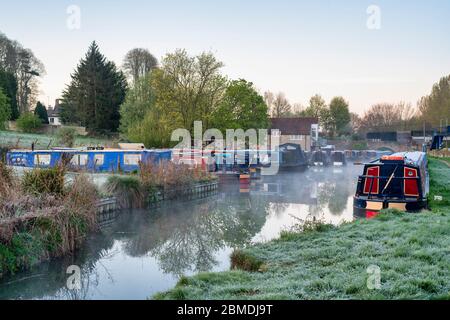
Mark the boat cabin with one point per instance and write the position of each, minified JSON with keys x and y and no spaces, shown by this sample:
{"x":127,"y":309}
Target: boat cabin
{"x":92,"y":159}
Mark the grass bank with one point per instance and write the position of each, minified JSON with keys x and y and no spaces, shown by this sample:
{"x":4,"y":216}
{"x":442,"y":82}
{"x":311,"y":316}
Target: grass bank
{"x":12,"y":139}
{"x":41,"y":217}
{"x":324,"y":262}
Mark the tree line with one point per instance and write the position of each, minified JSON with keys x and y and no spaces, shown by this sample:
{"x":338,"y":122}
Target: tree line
{"x":19,"y":80}
{"x":334,"y":117}
{"x":159,"y":97}
{"x":145,"y":100}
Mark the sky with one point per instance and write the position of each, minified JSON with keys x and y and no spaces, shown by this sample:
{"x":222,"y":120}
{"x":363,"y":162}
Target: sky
{"x":366,"y":51}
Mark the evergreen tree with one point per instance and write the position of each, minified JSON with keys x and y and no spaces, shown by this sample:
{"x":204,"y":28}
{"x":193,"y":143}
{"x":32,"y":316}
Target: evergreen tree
{"x":8,"y":83}
{"x":5,"y":112}
{"x":95,"y":94}
{"x":41,"y":112}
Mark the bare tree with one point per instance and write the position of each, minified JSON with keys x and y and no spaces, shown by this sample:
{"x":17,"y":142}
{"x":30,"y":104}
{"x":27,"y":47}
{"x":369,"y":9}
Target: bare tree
{"x":22,"y":63}
{"x":387,"y":116}
{"x":279,"y":106}
{"x":298,"y":109}
{"x":138,"y":62}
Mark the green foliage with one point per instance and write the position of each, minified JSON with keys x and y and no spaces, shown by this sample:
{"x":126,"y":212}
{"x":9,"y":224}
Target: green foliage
{"x":128,"y":191}
{"x":241,"y":108}
{"x":436,"y":106}
{"x":189,"y":88}
{"x":243,"y":261}
{"x":8,"y":83}
{"x":5,"y":110}
{"x":186,"y":89}
{"x":19,"y":62}
{"x":339,"y":114}
{"x":142,"y":120}
{"x":317,"y":107}
{"x":47,"y":181}
{"x":66,"y":136}
{"x":95,"y":94}
{"x":41,"y":112}
{"x":25,"y":249}
{"x":333,"y":118}
{"x":362,"y":145}
{"x":52,"y":222}
{"x":29,"y":123}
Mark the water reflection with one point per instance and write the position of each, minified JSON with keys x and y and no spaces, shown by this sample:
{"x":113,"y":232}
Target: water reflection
{"x":146,"y":251}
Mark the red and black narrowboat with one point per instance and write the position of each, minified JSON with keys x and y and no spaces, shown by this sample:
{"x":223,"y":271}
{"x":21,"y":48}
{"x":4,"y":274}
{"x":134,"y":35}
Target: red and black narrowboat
{"x":398,"y":181}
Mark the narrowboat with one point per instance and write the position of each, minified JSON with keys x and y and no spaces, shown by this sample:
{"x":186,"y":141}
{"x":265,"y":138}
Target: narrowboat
{"x":89,"y":159}
{"x":291,"y":157}
{"x":398,"y":181}
{"x":320,"y":158}
{"x":338,"y":158}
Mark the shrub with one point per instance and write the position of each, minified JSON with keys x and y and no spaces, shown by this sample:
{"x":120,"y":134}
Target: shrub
{"x":243,"y":261}
{"x":29,"y":122}
{"x":44,"y":181}
{"x":66,"y":136}
{"x":6,"y":175}
{"x":38,"y":226}
{"x":359,"y":145}
{"x":127,"y":190}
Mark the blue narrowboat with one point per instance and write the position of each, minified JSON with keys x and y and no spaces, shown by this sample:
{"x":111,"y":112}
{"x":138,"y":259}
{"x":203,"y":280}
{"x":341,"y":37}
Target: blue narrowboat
{"x":398,"y":181}
{"x":94,"y":160}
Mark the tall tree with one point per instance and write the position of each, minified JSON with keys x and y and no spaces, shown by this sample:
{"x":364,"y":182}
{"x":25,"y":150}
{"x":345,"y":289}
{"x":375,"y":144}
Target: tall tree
{"x":142,"y":120}
{"x":189,"y":87}
{"x":8,"y":83}
{"x":5,"y":112}
{"x":95,"y":93}
{"x":317,"y":107}
{"x":26,"y":68}
{"x":339,"y":114}
{"x":242,"y":107}
{"x":138,"y":62}
{"x":436,"y":107}
{"x":41,"y":112}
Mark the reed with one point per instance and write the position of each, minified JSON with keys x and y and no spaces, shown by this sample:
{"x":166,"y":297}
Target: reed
{"x":39,"y":221}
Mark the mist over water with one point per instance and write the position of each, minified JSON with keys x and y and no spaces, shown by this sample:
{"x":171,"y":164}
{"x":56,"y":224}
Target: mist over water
{"x":142,"y":252}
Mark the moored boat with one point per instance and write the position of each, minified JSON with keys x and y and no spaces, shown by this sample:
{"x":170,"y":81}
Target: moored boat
{"x":399,"y":181}
{"x":90,"y":159}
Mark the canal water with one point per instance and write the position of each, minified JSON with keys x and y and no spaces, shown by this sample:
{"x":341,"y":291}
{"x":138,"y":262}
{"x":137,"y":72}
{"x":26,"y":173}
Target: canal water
{"x":143,"y":252}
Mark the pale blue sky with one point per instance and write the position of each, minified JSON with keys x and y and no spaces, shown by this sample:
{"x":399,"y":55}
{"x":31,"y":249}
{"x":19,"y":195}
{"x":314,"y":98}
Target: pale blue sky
{"x":298,"y":47}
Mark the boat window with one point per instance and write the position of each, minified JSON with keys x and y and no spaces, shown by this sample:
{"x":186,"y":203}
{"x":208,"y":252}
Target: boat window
{"x":99,"y":159}
{"x":132,"y":159}
{"x":42,"y":159}
{"x":79,"y":159}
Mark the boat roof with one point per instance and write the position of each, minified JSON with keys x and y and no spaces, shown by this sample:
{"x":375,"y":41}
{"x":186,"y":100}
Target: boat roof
{"x":408,"y":157}
{"x":83,"y":150}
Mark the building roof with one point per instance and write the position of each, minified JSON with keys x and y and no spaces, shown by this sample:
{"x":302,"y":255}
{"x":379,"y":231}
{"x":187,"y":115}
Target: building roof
{"x":54,"y":112}
{"x":293,"y":126}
